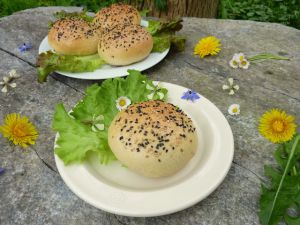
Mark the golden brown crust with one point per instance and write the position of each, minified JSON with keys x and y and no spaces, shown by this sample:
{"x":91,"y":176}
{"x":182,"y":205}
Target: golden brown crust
{"x":73,"y":37}
{"x":117,"y":14}
{"x":125,"y":44}
{"x":153,"y":138}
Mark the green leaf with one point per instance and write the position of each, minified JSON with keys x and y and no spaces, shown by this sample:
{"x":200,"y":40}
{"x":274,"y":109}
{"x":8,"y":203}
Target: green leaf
{"x":166,"y":26}
{"x":144,"y":12}
{"x":284,"y":190}
{"x":161,"y":43}
{"x":292,"y":220}
{"x":75,"y":130}
{"x":76,"y":139}
{"x":48,"y":62}
{"x":264,"y":56}
{"x":163,"y":33}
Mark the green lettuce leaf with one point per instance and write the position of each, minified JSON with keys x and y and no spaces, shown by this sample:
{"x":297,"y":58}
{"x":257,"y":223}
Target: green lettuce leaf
{"x":167,"y":26}
{"x":163,"y":33}
{"x":76,"y":139}
{"x":48,"y":62}
{"x":76,"y":133}
{"x":284,"y":190}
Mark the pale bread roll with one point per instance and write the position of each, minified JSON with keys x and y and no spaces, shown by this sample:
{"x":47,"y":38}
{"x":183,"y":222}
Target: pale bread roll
{"x":116,"y":14}
{"x":125,"y":44}
{"x":153,"y":138}
{"x":73,"y":36}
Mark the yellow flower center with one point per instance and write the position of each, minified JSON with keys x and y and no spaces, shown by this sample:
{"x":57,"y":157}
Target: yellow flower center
{"x":19,"y":130}
{"x":235,"y":110}
{"x":243,"y":63}
{"x":278,"y":126}
{"x":235,"y":63}
{"x":122,"y":102}
{"x":241,"y":58}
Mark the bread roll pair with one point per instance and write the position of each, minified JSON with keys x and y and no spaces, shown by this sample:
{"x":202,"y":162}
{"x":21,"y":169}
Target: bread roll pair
{"x":115,"y":34}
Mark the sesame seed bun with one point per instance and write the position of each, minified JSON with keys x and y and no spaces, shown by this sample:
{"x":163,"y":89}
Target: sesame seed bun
{"x":125,"y":45}
{"x":117,"y":14}
{"x":153,"y":138}
{"x":73,"y":37}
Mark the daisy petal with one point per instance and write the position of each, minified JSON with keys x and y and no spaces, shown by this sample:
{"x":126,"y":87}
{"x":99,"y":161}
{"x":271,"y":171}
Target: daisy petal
{"x":6,"y":79}
{"x":150,"y":96}
{"x":161,"y":95}
{"x":13,"y":85}
{"x":230,"y":81}
{"x":236,"y":87}
{"x":100,"y":117}
{"x":149,"y":87}
{"x":99,"y":126}
{"x":231,"y":92}
{"x":4,"y":89}
{"x":225,"y":87}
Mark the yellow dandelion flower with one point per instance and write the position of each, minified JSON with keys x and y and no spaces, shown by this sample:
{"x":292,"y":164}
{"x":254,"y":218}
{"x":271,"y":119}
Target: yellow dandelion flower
{"x":207,"y":46}
{"x":277,"y":126}
{"x":19,"y":130}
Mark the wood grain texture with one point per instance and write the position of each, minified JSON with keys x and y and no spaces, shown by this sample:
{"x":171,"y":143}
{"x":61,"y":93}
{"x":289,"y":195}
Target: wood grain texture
{"x":179,"y":8}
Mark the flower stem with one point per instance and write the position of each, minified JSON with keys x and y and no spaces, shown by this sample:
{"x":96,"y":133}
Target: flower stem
{"x":266,"y":56}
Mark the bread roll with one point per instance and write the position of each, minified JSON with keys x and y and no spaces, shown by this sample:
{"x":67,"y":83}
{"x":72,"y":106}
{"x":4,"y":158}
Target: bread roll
{"x":153,"y":138}
{"x":73,"y":37}
{"x":117,"y":14}
{"x":125,"y":45}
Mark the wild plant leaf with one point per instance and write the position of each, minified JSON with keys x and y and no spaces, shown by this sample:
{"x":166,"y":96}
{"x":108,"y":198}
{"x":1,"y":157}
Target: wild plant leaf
{"x":284,"y":190}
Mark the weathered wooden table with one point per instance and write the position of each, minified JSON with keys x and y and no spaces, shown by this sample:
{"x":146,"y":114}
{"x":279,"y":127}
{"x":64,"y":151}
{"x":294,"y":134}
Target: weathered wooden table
{"x":31,"y":190}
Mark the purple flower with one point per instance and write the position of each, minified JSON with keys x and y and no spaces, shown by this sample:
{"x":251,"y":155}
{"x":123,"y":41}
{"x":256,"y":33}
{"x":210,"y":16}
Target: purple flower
{"x":190,"y":95}
{"x":25,"y":47}
{"x":2,"y":170}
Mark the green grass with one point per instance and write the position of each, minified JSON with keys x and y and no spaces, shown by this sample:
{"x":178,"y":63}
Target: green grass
{"x":281,"y":11}
{"x":7,"y":7}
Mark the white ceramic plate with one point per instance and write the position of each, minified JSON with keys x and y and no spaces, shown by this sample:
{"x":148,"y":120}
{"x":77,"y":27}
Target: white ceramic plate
{"x":108,"y":71}
{"x":114,"y":188}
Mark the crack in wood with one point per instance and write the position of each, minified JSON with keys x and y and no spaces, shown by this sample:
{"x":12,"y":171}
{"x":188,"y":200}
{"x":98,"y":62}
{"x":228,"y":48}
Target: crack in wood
{"x":119,"y":221}
{"x":34,"y":66}
{"x":201,"y":69}
{"x":283,"y":93}
{"x":14,"y":55}
{"x":245,"y":168}
{"x":43,"y":161}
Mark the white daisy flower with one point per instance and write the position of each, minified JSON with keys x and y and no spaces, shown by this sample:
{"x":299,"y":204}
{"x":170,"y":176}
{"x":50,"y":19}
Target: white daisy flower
{"x":244,"y":64}
{"x":234,"y":63}
{"x":239,"y":60}
{"x":234,"y":109}
{"x":156,"y":91}
{"x":122,"y":103}
{"x":7,"y":81}
{"x":231,"y":87}
{"x":239,"y":57}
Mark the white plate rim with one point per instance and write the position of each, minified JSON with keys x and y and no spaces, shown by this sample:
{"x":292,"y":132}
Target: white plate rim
{"x":69,"y":173}
{"x":107,"y":71}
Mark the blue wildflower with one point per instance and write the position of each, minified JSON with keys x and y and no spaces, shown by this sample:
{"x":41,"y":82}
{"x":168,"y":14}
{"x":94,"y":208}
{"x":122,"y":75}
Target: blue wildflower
{"x":190,"y":95}
{"x":2,"y":170}
{"x":25,"y":47}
